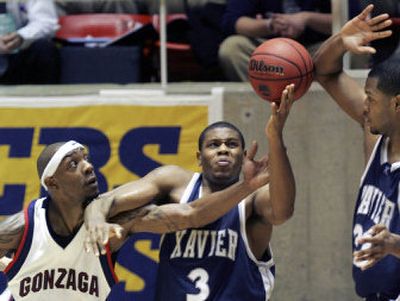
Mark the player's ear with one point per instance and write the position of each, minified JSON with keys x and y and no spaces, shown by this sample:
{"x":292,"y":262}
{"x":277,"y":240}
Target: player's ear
{"x":50,"y":182}
{"x":198,"y":156}
{"x":397,"y":103}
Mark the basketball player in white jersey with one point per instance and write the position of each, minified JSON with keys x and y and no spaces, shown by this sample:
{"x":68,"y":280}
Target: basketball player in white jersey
{"x":228,"y":259}
{"x":47,"y":239}
{"x":376,"y":223}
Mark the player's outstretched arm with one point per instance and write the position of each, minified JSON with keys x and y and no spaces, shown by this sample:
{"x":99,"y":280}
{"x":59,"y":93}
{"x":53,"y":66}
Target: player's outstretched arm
{"x":382,"y":243}
{"x":275,"y":203}
{"x":11,"y":231}
{"x":156,"y":185}
{"x":355,"y":36}
{"x":175,"y":217}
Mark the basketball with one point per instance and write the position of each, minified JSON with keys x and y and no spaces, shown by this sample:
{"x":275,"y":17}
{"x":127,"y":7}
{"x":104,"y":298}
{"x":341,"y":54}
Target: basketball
{"x":277,"y":63}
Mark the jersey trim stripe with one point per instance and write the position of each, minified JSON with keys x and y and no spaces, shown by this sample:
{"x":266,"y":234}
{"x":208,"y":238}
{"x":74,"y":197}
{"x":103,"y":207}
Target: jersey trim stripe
{"x":108,"y":268}
{"x":25,"y":244}
{"x":371,"y":158}
{"x":264,"y":267}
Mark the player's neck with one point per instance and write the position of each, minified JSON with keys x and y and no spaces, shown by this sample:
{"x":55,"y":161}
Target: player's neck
{"x":65,"y":218}
{"x":394,"y":148}
{"x":210,"y":186}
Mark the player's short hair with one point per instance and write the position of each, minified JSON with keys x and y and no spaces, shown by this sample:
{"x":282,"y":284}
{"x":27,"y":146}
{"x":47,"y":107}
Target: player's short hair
{"x":45,"y":156}
{"x":388,"y":75}
{"x":220,"y":124}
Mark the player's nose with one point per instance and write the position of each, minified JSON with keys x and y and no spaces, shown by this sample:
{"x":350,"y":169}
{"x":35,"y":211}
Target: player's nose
{"x":87,"y":167}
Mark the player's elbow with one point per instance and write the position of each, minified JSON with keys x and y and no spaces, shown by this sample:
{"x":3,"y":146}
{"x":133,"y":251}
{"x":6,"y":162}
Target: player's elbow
{"x":282,"y":216}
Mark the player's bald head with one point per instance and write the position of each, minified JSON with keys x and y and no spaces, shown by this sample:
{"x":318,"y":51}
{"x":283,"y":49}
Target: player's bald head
{"x":46,"y":155}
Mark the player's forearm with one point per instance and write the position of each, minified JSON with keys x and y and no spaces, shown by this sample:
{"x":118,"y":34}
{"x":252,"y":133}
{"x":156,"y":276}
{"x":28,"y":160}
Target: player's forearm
{"x":11,"y":231}
{"x":329,"y":58}
{"x":282,"y":185}
{"x":126,"y":197}
{"x":212,"y":206}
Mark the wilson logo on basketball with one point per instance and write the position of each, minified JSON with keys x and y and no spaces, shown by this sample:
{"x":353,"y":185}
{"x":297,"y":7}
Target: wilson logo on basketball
{"x":260,"y":66}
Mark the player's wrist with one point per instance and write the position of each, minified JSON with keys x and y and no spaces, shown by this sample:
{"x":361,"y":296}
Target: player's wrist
{"x":394,"y":244}
{"x":268,"y":26}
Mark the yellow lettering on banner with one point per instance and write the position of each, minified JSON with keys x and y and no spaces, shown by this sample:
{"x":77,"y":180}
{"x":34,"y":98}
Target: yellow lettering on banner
{"x":133,"y":283}
{"x":144,"y":247}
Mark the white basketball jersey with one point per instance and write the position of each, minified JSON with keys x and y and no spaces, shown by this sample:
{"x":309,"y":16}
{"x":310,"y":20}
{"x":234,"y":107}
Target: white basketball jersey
{"x":44,"y":269}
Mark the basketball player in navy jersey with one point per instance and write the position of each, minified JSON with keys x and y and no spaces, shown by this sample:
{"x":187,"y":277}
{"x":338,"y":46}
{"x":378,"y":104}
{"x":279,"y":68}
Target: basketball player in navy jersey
{"x":376,"y":224}
{"x":48,"y":237}
{"x":228,"y":259}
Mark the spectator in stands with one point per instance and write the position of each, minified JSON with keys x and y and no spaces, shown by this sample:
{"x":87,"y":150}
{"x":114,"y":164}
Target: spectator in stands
{"x":27,"y":55}
{"x":205,"y":34}
{"x":68,"y":7}
{"x":249,"y":23}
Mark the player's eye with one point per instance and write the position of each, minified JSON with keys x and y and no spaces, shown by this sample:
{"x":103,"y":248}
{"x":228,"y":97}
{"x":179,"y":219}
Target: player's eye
{"x":232,"y":144}
{"x":213,"y":144}
{"x":72,"y":164}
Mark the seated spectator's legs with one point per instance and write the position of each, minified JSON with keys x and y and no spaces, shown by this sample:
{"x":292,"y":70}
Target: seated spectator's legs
{"x":234,"y":54}
{"x":38,"y":64}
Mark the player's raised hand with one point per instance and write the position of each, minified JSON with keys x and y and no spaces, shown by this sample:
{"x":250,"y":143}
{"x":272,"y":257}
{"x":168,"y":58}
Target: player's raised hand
{"x":280,"y":112}
{"x":255,"y":172}
{"x":357,"y":33}
{"x":382,"y":243}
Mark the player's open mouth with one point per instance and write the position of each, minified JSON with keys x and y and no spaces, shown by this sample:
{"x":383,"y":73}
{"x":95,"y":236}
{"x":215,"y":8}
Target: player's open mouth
{"x":91,"y":181}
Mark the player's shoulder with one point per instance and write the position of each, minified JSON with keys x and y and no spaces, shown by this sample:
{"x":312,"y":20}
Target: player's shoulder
{"x":174,"y":174}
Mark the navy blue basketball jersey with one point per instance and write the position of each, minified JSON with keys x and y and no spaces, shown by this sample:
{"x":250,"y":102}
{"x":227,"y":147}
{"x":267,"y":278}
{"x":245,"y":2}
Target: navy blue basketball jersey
{"x":378,"y":203}
{"x":213,"y":262}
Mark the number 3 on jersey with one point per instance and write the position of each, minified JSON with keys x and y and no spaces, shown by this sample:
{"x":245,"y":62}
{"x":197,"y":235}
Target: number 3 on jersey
{"x":200,"y":278}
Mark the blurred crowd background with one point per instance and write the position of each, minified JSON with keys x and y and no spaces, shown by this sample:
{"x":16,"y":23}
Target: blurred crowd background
{"x":118,"y":41}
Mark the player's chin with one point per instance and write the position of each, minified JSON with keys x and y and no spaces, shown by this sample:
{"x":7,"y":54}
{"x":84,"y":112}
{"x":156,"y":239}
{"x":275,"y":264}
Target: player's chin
{"x":93,"y":192}
{"x":374,"y":131}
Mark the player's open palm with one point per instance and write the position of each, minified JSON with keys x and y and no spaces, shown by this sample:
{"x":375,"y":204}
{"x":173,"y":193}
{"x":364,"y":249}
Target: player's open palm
{"x":360,"y":31}
{"x":255,"y":172}
{"x":280,"y":112}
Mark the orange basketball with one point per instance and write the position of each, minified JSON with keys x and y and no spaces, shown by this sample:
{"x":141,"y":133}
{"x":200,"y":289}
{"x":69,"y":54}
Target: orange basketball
{"x":277,"y":63}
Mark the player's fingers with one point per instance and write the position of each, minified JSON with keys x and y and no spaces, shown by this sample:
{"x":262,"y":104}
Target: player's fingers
{"x":376,"y":229}
{"x":372,"y":260}
{"x":116,"y":230}
{"x":368,"y":265}
{"x":366,"y":50}
{"x":91,"y":246}
{"x":381,"y":34}
{"x":290,"y":96}
{"x":283,"y":103}
{"x":251,"y":153}
{"x":378,"y":19}
{"x":381,"y":25}
{"x":102,"y":248}
{"x":274,"y":108}
{"x":365,"y":13}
